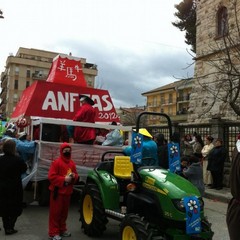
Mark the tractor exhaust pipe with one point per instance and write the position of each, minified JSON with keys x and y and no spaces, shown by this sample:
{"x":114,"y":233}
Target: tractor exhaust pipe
{"x":114,"y":214}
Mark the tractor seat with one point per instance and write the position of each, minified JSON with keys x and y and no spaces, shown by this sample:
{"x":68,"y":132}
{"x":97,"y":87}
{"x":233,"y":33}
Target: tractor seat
{"x":122,"y":167}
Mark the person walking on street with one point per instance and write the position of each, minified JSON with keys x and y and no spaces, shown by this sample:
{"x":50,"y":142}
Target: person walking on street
{"x":216,"y":159}
{"x":11,"y":189}
{"x":62,"y":175}
{"x":207,"y":178}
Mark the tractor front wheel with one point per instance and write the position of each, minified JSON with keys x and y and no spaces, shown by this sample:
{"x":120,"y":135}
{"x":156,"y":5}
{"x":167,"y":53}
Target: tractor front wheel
{"x":134,"y":227}
{"x":92,"y":212}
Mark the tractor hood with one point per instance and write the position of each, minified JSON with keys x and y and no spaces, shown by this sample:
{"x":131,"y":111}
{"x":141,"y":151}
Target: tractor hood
{"x":164,"y":182}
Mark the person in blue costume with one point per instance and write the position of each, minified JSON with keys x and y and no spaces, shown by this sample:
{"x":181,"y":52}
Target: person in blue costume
{"x":149,"y":150}
{"x":26,"y":157}
{"x":23,"y":147}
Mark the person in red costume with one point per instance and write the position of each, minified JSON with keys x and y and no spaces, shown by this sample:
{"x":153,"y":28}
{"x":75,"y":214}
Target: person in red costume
{"x":62,"y":175}
{"x":86,"y":113}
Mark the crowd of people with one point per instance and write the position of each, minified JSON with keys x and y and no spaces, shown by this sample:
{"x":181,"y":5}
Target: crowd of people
{"x":211,"y":153}
{"x":202,"y":161}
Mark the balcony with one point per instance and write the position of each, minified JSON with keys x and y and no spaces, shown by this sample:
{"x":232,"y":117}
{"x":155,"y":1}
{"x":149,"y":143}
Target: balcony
{"x":183,"y":98}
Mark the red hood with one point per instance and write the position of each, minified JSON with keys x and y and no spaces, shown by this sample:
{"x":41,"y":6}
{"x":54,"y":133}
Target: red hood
{"x":62,"y":146}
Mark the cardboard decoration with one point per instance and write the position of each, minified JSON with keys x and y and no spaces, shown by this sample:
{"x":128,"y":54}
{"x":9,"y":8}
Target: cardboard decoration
{"x":53,"y":100}
{"x":174,"y":157}
{"x":193,"y":219}
{"x":67,"y":70}
{"x":136,"y":149}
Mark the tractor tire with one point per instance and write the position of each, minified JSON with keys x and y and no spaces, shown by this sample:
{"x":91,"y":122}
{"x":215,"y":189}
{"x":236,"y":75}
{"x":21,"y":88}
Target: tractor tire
{"x":206,"y":227}
{"x":134,"y":227}
{"x":92,"y":212}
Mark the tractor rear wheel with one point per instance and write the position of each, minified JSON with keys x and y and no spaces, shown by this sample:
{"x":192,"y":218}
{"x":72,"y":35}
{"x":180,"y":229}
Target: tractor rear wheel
{"x":92,"y":212}
{"x":134,"y":227}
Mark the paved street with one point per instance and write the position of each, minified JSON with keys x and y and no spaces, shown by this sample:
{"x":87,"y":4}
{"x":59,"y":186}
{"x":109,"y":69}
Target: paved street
{"x":216,"y":213}
{"x":33,"y":223}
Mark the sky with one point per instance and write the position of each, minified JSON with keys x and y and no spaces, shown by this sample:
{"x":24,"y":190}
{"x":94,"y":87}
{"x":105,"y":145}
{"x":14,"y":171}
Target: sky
{"x":133,"y":42}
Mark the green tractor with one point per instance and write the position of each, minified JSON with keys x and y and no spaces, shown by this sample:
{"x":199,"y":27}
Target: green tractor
{"x":147,"y":200}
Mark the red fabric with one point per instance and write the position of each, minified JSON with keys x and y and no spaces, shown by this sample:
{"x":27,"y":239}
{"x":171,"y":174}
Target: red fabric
{"x":58,"y":213}
{"x":54,"y":100}
{"x":86,"y":113}
{"x":67,"y":70}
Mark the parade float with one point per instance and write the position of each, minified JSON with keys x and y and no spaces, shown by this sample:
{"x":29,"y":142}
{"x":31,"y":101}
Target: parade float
{"x":49,"y":105}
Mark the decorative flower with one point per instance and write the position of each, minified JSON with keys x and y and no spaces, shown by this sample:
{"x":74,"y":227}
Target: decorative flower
{"x":174,"y":150}
{"x":192,"y":204}
{"x":138,"y":140}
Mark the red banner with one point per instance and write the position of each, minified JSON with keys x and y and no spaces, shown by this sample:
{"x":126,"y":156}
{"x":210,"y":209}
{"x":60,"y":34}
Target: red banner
{"x":53,"y":100}
{"x":67,"y":70}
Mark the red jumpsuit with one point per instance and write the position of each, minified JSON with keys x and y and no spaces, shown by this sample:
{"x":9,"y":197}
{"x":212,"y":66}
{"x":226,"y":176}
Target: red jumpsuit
{"x":86,"y":113}
{"x":60,"y":191}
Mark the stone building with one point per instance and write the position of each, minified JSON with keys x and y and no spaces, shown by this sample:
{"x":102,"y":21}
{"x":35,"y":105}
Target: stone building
{"x":27,"y":66}
{"x":216,"y":62}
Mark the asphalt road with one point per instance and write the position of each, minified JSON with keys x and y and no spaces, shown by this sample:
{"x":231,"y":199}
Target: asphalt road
{"x":33,"y":223}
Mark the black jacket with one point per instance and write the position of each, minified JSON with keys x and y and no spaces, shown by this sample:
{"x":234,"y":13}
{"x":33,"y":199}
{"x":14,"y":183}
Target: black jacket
{"x":216,"y":159}
{"x":11,"y":191}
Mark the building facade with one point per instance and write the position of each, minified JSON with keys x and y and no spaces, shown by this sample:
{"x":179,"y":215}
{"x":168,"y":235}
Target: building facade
{"x":27,"y":66}
{"x":128,"y":116}
{"x":217,"y":60}
{"x":171,"y":99}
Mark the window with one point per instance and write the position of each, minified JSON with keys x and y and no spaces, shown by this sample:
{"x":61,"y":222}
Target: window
{"x":154,"y":101}
{"x":222,"y":22}
{"x":28,"y":73}
{"x":27,"y":84}
{"x":16,"y":84}
{"x":170,"y":99}
{"x":162,"y":99}
{"x":16,"y":70}
{"x":15,"y":97}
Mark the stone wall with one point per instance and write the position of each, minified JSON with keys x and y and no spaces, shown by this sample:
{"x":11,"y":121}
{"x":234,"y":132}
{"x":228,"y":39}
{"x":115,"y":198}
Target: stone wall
{"x":206,"y":101}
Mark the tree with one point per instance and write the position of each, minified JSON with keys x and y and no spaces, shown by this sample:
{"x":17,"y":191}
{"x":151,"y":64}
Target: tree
{"x":220,"y":77}
{"x":187,"y":15}
{"x":129,"y":116}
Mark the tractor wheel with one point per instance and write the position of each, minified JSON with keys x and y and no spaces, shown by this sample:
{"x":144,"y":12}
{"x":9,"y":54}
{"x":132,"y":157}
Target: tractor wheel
{"x":134,"y":227}
{"x":206,"y":227}
{"x":92,"y":213}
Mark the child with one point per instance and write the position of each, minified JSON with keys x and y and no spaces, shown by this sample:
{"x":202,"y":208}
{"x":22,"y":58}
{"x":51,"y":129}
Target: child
{"x":184,"y":165}
{"x":62,"y":175}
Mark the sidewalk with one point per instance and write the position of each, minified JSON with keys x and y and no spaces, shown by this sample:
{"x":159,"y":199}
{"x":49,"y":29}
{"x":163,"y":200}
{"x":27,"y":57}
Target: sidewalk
{"x":223,"y":195}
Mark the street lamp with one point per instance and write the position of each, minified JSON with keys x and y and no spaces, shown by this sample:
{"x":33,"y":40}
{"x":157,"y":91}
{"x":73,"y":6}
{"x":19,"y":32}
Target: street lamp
{"x":1,"y":14}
